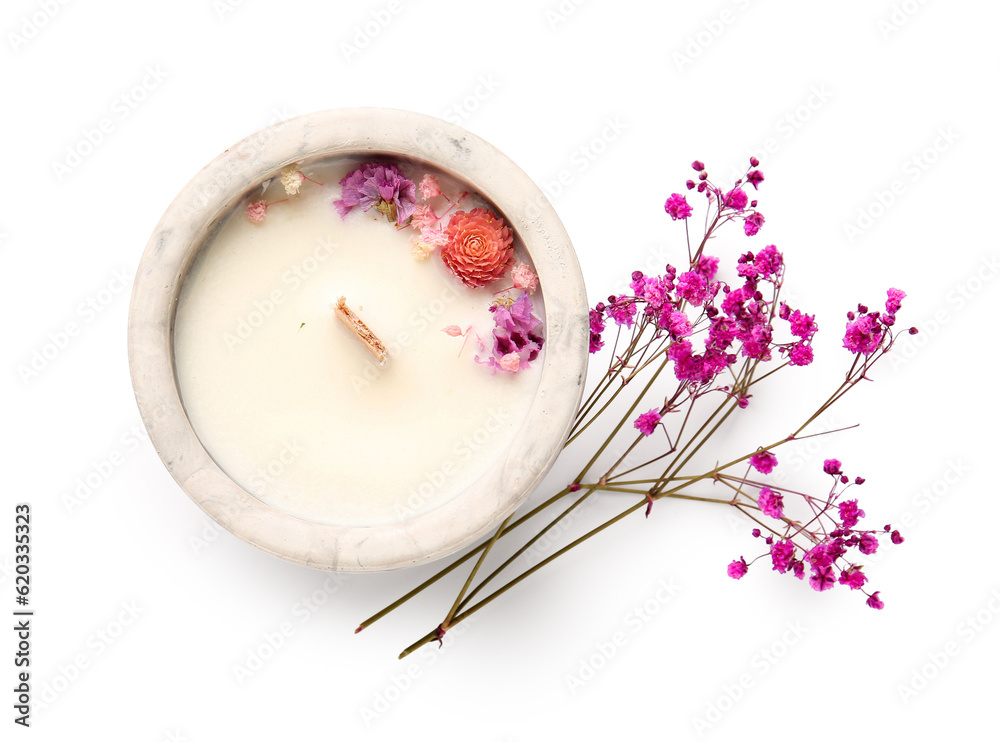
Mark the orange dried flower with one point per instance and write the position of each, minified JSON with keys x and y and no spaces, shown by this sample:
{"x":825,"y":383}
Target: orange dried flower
{"x":479,"y":247}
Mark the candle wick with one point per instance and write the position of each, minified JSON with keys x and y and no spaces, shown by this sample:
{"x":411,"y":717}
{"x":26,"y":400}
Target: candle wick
{"x":361,"y":331}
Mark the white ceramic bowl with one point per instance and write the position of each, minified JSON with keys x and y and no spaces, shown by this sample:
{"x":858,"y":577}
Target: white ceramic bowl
{"x":213,"y":192}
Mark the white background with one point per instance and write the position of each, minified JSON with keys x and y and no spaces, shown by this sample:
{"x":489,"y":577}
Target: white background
{"x":144,"y":610}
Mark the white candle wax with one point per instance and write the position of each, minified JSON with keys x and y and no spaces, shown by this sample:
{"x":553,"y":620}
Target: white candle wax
{"x":294,"y":408}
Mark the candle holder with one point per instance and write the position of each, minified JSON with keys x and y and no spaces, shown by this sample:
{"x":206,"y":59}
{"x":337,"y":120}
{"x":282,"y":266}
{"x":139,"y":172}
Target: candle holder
{"x":386,"y":540}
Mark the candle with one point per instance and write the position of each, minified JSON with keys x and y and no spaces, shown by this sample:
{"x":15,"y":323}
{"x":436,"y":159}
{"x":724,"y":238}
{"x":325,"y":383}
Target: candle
{"x":279,"y":419}
{"x":294,"y":407}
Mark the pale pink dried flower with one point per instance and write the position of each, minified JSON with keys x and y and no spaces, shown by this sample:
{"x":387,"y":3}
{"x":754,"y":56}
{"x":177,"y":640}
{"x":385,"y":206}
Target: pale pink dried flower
{"x":429,"y":187}
{"x":510,"y":362}
{"x":256,"y":211}
{"x":524,"y":278}
{"x":424,"y":218}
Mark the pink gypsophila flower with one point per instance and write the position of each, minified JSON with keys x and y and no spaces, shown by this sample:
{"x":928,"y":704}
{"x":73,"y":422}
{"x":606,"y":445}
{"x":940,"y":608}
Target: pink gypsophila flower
{"x":708,"y":266}
{"x":853,"y":577}
{"x":429,"y":187}
{"x":596,"y":328}
{"x":433,"y":238}
{"x":764,"y":461}
{"x":753,"y":223}
{"x":895,"y":300}
{"x":677,"y":206}
{"x":524,"y":278}
{"x":737,"y":568}
{"x":800,"y":355}
{"x":736,"y":199}
{"x":868,"y":544}
{"x":802,"y":325}
{"x":863,"y":335}
{"x":621,"y":310}
{"x":768,"y":262}
{"x":646,"y":422}
{"x":850,"y":513}
{"x":423,"y":217}
{"x":692,"y":287}
{"x":256,"y":211}
{"x":822,"y":578}
{"x":510,"y":362}
{"x":782,"y":553}
{"x":677,"y":324}
{"x":771,"y":503}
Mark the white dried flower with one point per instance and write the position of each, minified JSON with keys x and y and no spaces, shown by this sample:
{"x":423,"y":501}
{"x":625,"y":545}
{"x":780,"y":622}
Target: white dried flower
{"x":421,"y":250}
{"x":291,"y":179}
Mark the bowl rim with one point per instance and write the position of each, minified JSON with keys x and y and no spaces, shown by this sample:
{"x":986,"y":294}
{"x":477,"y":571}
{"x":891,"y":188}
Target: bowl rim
{"x":213,"y":192}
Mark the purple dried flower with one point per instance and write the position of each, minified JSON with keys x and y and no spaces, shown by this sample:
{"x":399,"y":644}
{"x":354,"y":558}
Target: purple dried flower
{"x":516,"y":334}
{"x":380,"y":186}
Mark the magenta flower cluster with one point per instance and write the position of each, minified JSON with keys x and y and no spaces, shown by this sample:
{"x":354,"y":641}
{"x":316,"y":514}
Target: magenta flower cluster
{"x":831,"y":530}
{"x":866,"y":331}
{"x":735,"y":200}
{"x":736,"y":321}
{"x":646,"y":422}
{"x":705,"y":325}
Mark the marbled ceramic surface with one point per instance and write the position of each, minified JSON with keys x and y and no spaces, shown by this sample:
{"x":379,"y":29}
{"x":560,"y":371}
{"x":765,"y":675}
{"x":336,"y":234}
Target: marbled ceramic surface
{"x":502,"y":486}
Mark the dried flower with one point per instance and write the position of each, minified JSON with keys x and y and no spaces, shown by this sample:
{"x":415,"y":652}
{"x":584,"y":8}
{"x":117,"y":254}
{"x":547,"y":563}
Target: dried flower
{"x":621,"y":309}
{"x":421,"y":250}
{"x":379,"y":186}
{"x":429,"y":187}
{"x":736,"y":199}
{"x":863,"y":334}
{"x":677,"y":206}
{"x":764,"y":461}
{"x":291,"y":179}
{"x":853,"y":577}
{"x":822,"y":578}
{"x":753,"y":223}
{"x":770,"y":503}
{"x":850,"y":513}
{"x":800,"y":355}
{"x":737,"y":568}
{"x":427,"y":242}
{"x":510,"y":362}
{"x":596,"y":328}
{"x":423,"y":217}
{"x":782,"y":555}
{"x":516,"y":333}
{"x":875,"y":602}
{"x":646,"y":422}
{"x":718,"y":337}
{"x":524,"y":278}
{"x":256,"y":211}
{"x":479,"y":247}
